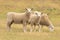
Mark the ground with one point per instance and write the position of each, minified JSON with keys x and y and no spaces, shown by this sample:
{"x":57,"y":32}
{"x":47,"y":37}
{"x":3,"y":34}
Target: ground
{"x":51,"y":7}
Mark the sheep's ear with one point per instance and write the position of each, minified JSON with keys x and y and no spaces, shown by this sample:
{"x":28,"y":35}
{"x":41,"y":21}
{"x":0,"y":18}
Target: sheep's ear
{"x":25,"y":8}
{"x":36,"y":13}
{"x":31,"y":8}
{"x":48,"y":13}
{"x":41,"y":13}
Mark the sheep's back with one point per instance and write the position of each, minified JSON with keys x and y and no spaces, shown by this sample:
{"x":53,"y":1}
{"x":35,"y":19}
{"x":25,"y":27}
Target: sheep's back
{"x":45,"y":20}
{"x":34,"y":18}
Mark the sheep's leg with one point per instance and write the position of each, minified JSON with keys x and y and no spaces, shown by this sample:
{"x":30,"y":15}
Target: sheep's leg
{"x":31,"y":28}
{"x":39,"y":28}
{"x":24,"y":26}
{"x":9,"y":25}
{"x":34,"y":28}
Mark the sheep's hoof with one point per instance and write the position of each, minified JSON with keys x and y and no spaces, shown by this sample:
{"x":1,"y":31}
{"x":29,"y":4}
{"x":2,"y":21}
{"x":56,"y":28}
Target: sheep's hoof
{"x":30,"y":30}
{"x":24,"y":30}
{"x":39,"y":30}
{"x":34,"y":30}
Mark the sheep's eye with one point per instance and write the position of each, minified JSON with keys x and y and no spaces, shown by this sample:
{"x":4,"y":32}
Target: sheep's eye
{"x":36,"y":13}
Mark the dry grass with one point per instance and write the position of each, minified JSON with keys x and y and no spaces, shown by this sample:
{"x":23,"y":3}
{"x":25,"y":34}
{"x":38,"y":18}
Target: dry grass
{"x":17,"y":33}
{"x":47,"y":6}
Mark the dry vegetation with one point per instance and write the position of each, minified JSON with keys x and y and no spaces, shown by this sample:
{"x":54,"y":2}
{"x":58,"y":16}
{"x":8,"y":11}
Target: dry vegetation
{"x":47,"y":6}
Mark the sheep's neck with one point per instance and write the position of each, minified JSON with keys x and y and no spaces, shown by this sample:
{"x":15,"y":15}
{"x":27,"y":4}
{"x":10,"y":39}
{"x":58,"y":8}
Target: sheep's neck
{"x":28,"y":15}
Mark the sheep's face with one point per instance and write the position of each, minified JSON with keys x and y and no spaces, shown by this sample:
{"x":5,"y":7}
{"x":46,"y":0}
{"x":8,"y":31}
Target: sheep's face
{"x":28,"y":10}
{"x":51,"y":27}
{"x":45,"y":16}
{"x":37,"y":13}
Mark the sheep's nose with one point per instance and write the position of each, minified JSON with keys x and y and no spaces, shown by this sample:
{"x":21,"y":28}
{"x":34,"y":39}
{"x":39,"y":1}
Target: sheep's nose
{"x":29,"y":11}
{"x":38,"y":15}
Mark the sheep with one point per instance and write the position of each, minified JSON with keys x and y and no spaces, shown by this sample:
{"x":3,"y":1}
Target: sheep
{"x":46,"y":21}
{"x":35,"y":19}
{"x":18,"y":18}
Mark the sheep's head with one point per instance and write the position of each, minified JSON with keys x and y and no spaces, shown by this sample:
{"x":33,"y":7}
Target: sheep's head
{"x":51,"y":27}
{"x":37,"y":13}
{"x":28,"y":10}
{"x":45,"y":16}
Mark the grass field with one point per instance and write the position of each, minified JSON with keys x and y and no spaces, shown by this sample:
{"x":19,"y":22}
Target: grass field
{"x":47,"y":6}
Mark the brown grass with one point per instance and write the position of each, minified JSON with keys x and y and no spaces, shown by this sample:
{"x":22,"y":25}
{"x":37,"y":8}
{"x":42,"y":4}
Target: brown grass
{"x":47,"y":6}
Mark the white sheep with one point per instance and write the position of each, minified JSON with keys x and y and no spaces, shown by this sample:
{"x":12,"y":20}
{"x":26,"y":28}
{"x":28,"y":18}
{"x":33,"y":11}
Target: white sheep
{"x":46,"y":21}
{"x":35,"y":19}
{"x":17,"y":18}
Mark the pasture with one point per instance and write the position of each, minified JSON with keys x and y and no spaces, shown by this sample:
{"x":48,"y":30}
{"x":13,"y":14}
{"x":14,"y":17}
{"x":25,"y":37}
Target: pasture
{"x":47,"y":6}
